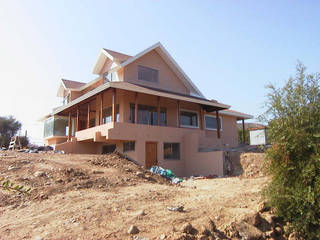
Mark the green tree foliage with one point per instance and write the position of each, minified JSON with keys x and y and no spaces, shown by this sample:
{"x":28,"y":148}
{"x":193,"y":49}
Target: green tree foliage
{"x":9,"y":126}
{"x":293,"y":115}
{"x":240,"y":136}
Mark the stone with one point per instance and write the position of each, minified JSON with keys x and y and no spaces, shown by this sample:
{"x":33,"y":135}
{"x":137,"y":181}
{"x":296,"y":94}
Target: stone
{"x":39,"y":174}
{"x":133,"y":230}
{"x":13,"y":168}
{"x":294,"y":236}
{"x":269,"y":218}
{"x":139,"y":238}
{"x":210,"y":225}
{"x":203,"y":237}
{"x":140,"y":174}
{"x":262,"y":207}
{"x":253,"y":219}
{"x":162,"y":236}
{"x":247,"y":231}
{"x":141,"y":213}
{"x":186,"y":228}
{"x":278,"y":230}
{"x":176,"y":208}
{"x":97,"y":172}
{"x":205,"y":231}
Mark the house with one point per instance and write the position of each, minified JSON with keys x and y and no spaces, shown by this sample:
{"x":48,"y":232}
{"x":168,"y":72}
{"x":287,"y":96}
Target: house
{"x":147,"y":108}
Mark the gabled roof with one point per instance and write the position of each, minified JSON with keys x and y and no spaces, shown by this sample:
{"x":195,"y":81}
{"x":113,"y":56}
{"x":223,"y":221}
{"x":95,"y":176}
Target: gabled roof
{"x":158,"y":47}
{"x":72,"y":84}
{"x":116,"y":55}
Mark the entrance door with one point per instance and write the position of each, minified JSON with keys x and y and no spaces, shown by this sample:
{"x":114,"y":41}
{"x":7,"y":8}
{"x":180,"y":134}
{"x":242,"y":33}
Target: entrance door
{"x":151,"y":154}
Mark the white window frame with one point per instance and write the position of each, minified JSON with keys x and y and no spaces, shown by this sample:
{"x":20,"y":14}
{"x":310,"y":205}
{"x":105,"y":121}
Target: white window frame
{"x":192,"y":111}
{"x":207,"y":128}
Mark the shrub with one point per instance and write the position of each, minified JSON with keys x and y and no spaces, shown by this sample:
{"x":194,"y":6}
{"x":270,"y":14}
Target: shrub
{"x":293,"y":116}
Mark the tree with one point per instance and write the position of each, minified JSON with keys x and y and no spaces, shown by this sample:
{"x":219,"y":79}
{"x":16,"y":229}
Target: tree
{"x":293,"y":116}
{"x":9,"y":126}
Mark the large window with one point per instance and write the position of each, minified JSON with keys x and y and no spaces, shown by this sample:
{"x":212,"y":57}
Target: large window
{"x":189,"y":119}
{"x":148,"y":115}
{"x":58,"y":126}
{"x":211,"y":122}
{"x":171,"y":151}
{"x":128,"y":146}
{"x":107,"y":114}
{"x":148,"y":74}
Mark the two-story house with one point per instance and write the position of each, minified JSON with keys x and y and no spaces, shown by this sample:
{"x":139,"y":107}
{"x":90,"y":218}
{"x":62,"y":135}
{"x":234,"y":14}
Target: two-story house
{"x":146,"y":107}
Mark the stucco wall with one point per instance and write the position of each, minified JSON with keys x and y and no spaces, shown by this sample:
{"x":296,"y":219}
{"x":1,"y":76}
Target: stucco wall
{"x":167,"y":78}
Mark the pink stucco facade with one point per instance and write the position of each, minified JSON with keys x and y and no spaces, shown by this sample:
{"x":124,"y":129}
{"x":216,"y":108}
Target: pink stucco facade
{"x":89,"y":106}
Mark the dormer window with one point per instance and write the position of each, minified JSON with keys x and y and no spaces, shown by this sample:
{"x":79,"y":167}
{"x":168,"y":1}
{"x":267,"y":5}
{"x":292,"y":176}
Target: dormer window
{"x":148,"y":74}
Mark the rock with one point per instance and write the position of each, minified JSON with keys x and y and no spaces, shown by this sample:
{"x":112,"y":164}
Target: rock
{"x":210,"y":225}
{"x":203,"y":237}
{"x":38,"y":238}
{"x":278,"y":231}
{"x":97,"y":172}
{"x":133,"y":230}
{"x":253,"y":219}
{"x":187,"y":228}
{"x":162,"y":237}
{"x":262,"y":207}
{"x":269,"y":218}
{"x":247,"y":231}
{"x":140,"y":174}
{"x":176,"y":208}
{"x":13,"y":168}
{"x":39,"y":174}
{"x":294,"y":236}
{"x":205,"y":231}
{"x":139,"y":238}
{"x":141,"y":213}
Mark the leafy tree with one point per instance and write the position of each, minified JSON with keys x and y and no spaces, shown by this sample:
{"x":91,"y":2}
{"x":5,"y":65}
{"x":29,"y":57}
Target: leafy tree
{"x":240,"y":136}
{"x":9,"y":126}
{"x":293,"y":116}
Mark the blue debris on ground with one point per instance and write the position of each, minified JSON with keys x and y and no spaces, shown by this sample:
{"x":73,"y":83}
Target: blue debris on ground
{"x":167,"y":173}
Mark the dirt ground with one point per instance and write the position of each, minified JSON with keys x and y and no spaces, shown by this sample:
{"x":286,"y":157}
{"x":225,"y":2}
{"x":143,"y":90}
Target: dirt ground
{"x":101,"y":196}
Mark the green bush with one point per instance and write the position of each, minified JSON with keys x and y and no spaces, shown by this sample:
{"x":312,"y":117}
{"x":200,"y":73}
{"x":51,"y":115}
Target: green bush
{"x":293,"y":116}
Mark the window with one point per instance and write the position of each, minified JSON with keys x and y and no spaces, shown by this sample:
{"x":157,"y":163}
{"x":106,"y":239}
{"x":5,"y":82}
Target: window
{"x":92,"y":122}
{"x":148,"y":115}
{"x":108,"y":148}
{"x":128,"y":146}
{"x":171,"y":151}
{"x":211,"y":122}
{"x":148,"y":74}
{"x":189,"y":119}
{"x":107,"y":114}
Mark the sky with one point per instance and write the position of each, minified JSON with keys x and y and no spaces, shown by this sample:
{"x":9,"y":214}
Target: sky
{"x":230,"y":49}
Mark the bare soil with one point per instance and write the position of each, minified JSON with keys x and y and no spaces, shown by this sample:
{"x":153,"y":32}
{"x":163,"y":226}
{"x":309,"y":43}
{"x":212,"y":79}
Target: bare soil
{"x":100,"y":196}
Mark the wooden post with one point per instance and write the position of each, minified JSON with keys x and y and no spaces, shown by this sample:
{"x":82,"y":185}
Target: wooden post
{"x":243,"y":131}
{"x":114,"y":114}
{"x":201,"y":118}
{"x":136,"y":108}
{"x":158,"y":110}
{"x":88,"y":116}
{"x":101,"y":109}
{"x":218,"y":124}
{"x":69,"y":127}
{"x":78,"y":120}
{"x":178,"y":125}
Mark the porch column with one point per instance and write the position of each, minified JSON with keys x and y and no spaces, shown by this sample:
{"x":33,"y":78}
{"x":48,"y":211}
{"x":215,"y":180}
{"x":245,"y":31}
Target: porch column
{"x":78,"y":120}
{"x":243,"y":131}
{"x":101,"y":109}
{"x":178,"y":109}
{"x":69,"y":127}
{"x":136,"y":108}
{"x":158,"y":109}
{"x":201,"y":118}
{"x":88,"y":116}
{"x":114,"y":115}
{"x":218,"y":123}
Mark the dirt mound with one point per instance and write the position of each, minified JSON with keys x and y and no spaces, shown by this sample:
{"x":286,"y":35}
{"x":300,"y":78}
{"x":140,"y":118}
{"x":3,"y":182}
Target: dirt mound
{"x":83,"y":196}
{"x":245,"y":164}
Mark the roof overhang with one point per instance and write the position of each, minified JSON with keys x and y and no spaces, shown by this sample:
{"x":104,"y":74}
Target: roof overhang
{"x":210,"y":105}
{"x":239,"y":115}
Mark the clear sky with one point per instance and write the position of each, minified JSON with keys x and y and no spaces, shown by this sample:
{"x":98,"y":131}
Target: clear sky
{"x":230,"y":49}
